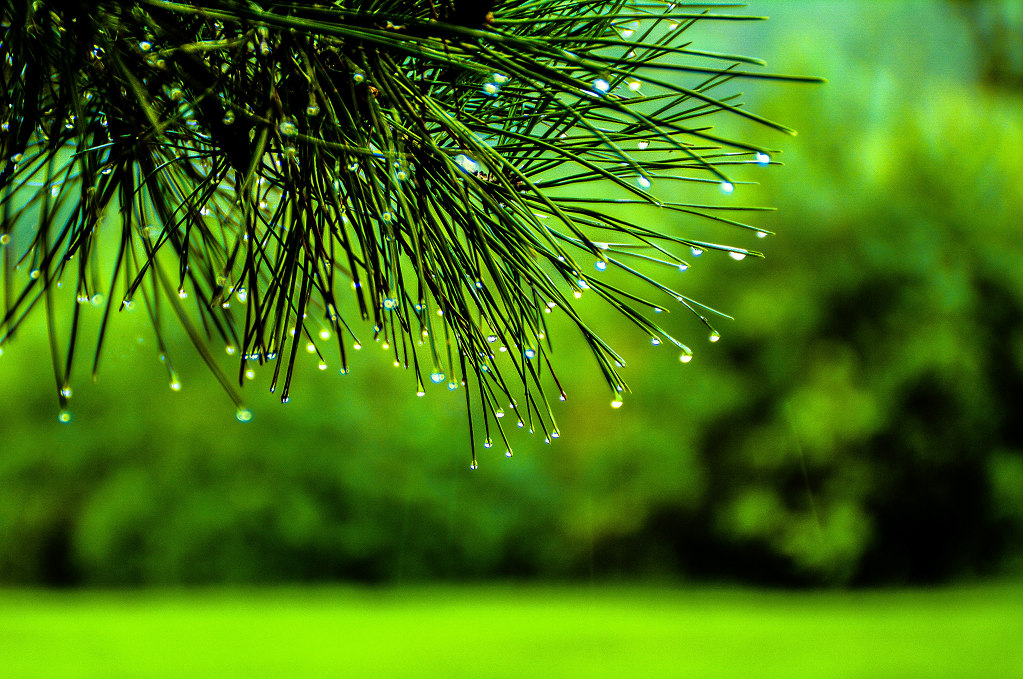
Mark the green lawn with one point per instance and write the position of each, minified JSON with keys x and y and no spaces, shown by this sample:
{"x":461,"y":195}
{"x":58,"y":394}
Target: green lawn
{"x":514,"y":632}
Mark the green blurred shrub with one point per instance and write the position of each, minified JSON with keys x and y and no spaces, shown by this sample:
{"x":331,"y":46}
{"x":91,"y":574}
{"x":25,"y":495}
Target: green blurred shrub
{"x":857,"y":424}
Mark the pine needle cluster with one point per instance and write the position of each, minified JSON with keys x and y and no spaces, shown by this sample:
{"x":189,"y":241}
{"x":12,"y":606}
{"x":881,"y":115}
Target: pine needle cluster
{"x":292,"y":178}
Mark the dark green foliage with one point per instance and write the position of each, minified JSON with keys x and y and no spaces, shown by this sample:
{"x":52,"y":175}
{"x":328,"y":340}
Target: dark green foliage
{"x":272,"y":173}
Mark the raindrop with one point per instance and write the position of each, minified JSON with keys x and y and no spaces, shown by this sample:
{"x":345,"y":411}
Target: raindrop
{"x":175,"y":385}
{"x":33,"y":274}
{"x":325,"y":334}
{"x":499,"y":79}
{"x":437,"y":377}
{"x":96,"y":299}
{"x":66,"y":391}
{"x":387,"y":217}
{"x":642,"y":144}
{"x":737,"y":256}
{"x":176,"y":94}
{"x":491,"y":338}
{"x":322,"y":366}
{"x":466,"y":163}
{"x":696,"y":251}
{"x":488,"y":443}
{"x":617,"y":403}
{"x":287,"y":128}
{"x":64,"y":416}
{"x":230,"y":350}
{"x":655,"y":341}
{"x":529,"y":353}
{"x":312,"y":110}
{"x":762,"y":158}
{"x":643,"y":182}
{"x":602,"y":86}
{"x":491,"y":89}
{"x":727,"y":187}
{"x":182,"y":294}
{"x":358,"y":78}
{"x":390,"y":303}
{"x":311,"y":348}
{"x":243,"y":414}
{"x":508,"y":453}
{"x":600,"y":265}
{"x":499,"y":413}
{"x":686,"y":355}
{"x":452,"y":386}
{"x":714,"y":336}
{"x":145,"y":45}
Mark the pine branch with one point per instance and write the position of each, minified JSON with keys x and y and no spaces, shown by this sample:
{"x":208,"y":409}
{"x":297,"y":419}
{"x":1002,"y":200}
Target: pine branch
{"x":289,"y":174}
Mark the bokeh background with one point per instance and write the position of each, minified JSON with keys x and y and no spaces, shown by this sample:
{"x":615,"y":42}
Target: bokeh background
{"x":859,"y":423}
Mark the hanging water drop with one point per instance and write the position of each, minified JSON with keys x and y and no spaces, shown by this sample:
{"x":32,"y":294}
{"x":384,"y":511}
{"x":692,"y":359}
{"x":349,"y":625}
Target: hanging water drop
{"x":617,"y":403}
{"x":643,"y":182}
{"x":358,"y":78}
{"x":600,"y":265}
{"x":737,"y":256}
{"x":686,"y":355}
{"x":601,"y":86}
{"x":761,"y":234}
{"x":312,"y":110}
{"x":642,"y":144}
{"x":243,"y":414}
{"x":727,"y":187}
{"x":655,"y":341}
{"x":714,"y":336}
{"x":287,"y":128}
{"x":762,"y":158}
{"x":696,"y":251}
{"x":64,"y":416}
{"x":145,"y":46}
{"x":529,"y":353}
{"x":66,"y":391}
{"x":437,"y":377}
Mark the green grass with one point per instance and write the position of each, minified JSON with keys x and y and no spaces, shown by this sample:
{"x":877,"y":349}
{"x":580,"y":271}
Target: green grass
{"x":515,"y":632}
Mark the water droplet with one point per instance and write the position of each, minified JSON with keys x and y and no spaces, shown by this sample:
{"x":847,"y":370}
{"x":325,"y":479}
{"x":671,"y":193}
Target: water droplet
{"x":145,"y":45}
{"x":508,"y":453}
{"x":452,"y":386}
{"x":390,"y":303}
{"x":96,"y":299}
{"x":491,"y":89}
{"x":358,"y":78}
{"x":488,"y":443}
{"x":555,"y":434}
{"x":34,"y":274}
{"x":401,"y":175}
{"x":655,"y":341}
{"x":686,"y":355}
{"x":714,"y":336}
{"x":601,"y":85}
{"x":529,"y":353}
{"x":617,"y":403}
{"x":64,"y":416}
{"x":387,"y":217}
{"x":243,"y":414}
{"x":311,"y":348}
{"x":727,"y":187}
{"x":312,"y":110}
{"x":762,"y":158}
{"x":600,"y":265}
{"x":420,"y":393}
{"x":642,"y":144}
{"x":287,"y":128}
{"x":634,"y":85}
{"x":66,"y":391}
{"x":466,"y":163}
{"x":498,"y":78}
{"x":356,"y":346}
{"x":176,"y":94}
{"x":696,"y":251}
{"x":437,"y":377}
{"x":499,"y":413}
{"x":16,"y":158}
{"x":761,"y":234}
{"x":250,"y":374}
{"x":474,"y":465}
{"x":182,"y":294}
{"x":737,"y":256}
{"x":322,"y":365}
{"x":5,"y":239}
{"x":643,"y":182}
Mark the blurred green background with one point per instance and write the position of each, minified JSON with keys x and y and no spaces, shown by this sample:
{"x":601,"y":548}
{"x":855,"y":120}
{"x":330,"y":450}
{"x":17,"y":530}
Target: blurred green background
{"x":859,"y":424}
